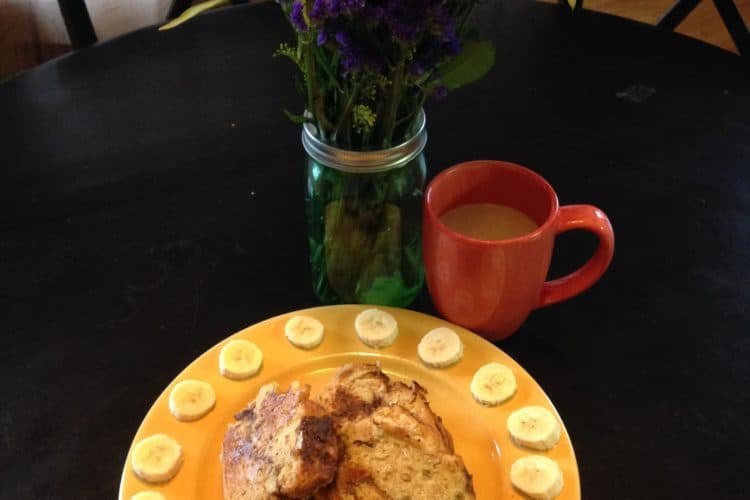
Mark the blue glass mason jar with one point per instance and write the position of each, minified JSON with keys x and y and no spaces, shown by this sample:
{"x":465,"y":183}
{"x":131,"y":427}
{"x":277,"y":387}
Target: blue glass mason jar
{"x":364,"y":213}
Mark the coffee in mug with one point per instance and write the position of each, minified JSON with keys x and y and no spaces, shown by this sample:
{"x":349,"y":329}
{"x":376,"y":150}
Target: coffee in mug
{"x":488,"y":221}
{"x":487,"y":235}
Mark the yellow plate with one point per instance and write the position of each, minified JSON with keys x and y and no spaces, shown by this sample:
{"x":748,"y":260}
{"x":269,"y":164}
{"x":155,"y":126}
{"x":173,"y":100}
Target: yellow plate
{"x":479,"y":433}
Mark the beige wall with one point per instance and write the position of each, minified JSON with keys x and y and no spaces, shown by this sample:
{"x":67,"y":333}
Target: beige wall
{"x":112,"y":18}
{"x":30,"y":19}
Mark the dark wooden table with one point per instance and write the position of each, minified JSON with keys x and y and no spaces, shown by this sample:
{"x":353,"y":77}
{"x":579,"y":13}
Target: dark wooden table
{"x":151,"y":204}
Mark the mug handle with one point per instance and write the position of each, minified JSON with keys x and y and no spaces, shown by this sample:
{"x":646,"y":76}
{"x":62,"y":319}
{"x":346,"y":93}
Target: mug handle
{"x":587,"y":218}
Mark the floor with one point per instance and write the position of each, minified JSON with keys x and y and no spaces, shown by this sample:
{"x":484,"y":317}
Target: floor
{"x":703,"y":23}
{"x":32,"y":31}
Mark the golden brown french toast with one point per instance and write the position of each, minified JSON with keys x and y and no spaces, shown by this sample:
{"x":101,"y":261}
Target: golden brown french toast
{"x":281,"y":446}
{"x":392,"y":444}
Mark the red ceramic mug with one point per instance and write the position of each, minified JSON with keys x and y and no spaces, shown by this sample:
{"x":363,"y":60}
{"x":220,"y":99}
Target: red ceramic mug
{"x":491,"y":286}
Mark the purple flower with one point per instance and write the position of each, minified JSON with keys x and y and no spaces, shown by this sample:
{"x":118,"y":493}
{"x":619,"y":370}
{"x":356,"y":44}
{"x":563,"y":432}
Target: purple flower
{"x":444,"y":29}
{"x":438,"y":43}
{"x":430,"y":52}
{"x":355,"y":55}
{"x":373,"y":13}
{"x":351,"y":59}
{"x":440,"y":92}
{"x":351,"y":6}
{"x":416,"y":68}
{"x":453,"y":46}
{"x":297,"y":17}
{"x":340,"y":25}
{"x":407,"y":19}
{"x":342,"y":38}
{"x":318,"y":11}
{"x":334,"y":8}
{"x":331,"y":9}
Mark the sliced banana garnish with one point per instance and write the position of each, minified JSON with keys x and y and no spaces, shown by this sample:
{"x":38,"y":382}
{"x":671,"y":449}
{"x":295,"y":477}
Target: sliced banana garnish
{"x":191,"y":399}
{"x":240,"y":359}
{"x":537,"y":476}
{"x":157,"y":458}
{"x":148,"y":495}
{"x":493,"y":383}
{"x":440,"y":347}
{"x":376,"y":328}
{"x":534,"y":427}
{"x":304,"y":332}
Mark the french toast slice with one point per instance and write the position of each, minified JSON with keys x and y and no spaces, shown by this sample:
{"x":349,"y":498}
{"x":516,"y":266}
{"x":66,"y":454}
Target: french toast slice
{"x":393,"y":446}
{"x":283,"y":445}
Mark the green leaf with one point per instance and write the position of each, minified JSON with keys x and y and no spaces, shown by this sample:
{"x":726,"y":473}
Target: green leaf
{"x":470,"y":65}
{"x":192,"y":12}
{"x":389,"y":291}
{"x":298,"y":118}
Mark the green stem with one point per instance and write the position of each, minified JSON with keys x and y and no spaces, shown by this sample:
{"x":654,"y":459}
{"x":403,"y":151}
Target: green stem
{"x":374,"y":42}
{"x":347,"y":109}
{"x":348,"y":135}
{"x":323,"y":63}
{"x":308,"y":80}
{"x":422,"y":99}
{"x":463,"y":24}
{"x":389,"y":120}
{"x":379,"y":111}
{"x":411,"y":115}
{"x":316,"y":97}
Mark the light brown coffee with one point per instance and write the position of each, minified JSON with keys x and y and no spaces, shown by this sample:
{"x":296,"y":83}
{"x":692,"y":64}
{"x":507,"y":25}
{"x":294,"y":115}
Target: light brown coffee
{"x":488,"y":221}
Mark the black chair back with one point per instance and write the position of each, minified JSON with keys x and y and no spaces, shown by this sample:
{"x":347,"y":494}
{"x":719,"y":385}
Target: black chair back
{"x":80,"y":28}
{"x":77,"y":22}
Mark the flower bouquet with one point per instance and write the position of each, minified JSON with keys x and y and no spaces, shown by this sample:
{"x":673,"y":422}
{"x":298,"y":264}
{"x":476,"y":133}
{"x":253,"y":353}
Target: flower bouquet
{"x":366,"y":68}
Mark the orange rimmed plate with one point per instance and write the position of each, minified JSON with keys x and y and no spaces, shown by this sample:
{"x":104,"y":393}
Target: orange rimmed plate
{"x":479,"y":433}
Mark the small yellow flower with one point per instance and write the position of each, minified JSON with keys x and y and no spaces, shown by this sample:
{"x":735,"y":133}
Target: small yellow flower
{"x":363,"y":118}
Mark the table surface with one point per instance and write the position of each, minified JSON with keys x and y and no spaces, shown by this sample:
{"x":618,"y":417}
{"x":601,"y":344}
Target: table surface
{"x":151,"y":204}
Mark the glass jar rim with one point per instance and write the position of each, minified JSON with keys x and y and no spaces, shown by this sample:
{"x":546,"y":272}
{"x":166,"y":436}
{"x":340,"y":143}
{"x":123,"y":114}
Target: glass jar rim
{"x":378,"y":160}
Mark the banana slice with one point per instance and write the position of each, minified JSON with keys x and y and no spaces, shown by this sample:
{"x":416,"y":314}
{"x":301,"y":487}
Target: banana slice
{"x":304,"y":332}
{"x":240,"y":359}
{"x":537,"y":476}
{"x":191,"y":399}
{"x":157,"y":458}
{"x":148,"y":495}
{"x":440,"y":347}
{"x":533,"y":427}
{"x":493,"y":383}
{"x":376,"y":328}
